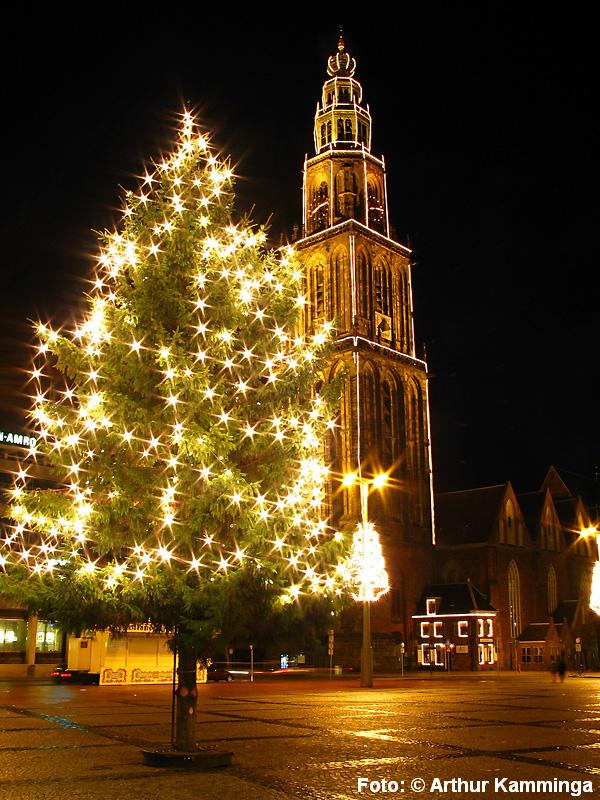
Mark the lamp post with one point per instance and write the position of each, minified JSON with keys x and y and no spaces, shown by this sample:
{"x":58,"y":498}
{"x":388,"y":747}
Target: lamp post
{"x":367,"y":573}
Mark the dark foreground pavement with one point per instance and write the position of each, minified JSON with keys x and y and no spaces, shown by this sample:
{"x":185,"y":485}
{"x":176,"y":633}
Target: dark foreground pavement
{"x":305,"y":739}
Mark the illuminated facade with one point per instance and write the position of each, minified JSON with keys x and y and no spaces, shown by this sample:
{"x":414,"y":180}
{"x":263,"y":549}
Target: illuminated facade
{"x":359,"y":276}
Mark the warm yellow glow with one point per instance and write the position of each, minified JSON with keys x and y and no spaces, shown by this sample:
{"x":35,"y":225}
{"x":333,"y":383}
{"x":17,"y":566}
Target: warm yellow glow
{"x":381,"y":480}
{"x":590,"y":531}
{"x":365,"y":572}
{"x":595,"y":590}
{"x":349,"y":478}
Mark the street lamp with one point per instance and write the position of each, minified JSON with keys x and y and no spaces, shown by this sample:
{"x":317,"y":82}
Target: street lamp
{"x":366,"y":569}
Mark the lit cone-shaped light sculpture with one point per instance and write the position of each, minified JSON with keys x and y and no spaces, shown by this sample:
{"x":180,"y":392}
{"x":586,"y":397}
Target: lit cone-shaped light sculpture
{"x":595,"y":592}
{"x":366,"y":570}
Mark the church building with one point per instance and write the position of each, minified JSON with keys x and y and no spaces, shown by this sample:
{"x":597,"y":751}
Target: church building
{"x":507,"y":583}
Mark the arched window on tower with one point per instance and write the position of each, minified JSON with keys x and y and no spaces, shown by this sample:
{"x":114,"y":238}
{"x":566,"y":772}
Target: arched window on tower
{"x":344,"y":94}
{"x":346,"y":187}
{"x":368,"y":403}
{"x":383,"y":289}
{"x":329,"y":132}
{"x":318,"y":292}
{"x":514,"y":600}
{"x":339,"y":282}
{"x":319,"y":208}
{"x":376,"y":209}
{"x":323,"y":135}
{"x":552,"y":590}
{"x":364,"y":285}
{"x":417,"y":450}
{"x":340,"y":130}
{"x":348,"y":130}
{"x":388,"y":424}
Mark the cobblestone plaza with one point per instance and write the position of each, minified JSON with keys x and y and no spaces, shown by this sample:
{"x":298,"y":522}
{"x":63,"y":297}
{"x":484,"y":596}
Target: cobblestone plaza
{"x":297,"y":738}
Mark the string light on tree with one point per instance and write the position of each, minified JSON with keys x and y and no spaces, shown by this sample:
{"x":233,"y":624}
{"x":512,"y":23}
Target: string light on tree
{"x":183,"y":428}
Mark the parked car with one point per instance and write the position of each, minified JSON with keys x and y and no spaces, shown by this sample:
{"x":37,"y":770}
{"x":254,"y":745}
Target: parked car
{"x":62,"y":674}
{"x":214,"y":673}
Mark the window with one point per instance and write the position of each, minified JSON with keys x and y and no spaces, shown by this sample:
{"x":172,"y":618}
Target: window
{"x":48,"y":639}
{"x":364,"y":277}
{"x":13,"y":633}
{"x":463,"y":628}
{"x":425,"y":654}
{"x":481,"y":653}
{"x":425,"y":630}
{"x":514,"y":600}
{"x":349,"y":134}
{"x":480,"y":628}
{"x":439,"y":655}
{"x":438,"y":632}
{"x":329,"y":132}
{"x":491,"y":655}
{"x":526,"y":655}
{"x":340,"y":129}
{"x":552,"y":590}
{"x":383,"y":286}
{"x":554,"y":654}
{"x":431,"y":606}
{"x":490,"y":627}
{"x":323,"y":135}
{"x":538,"y":655}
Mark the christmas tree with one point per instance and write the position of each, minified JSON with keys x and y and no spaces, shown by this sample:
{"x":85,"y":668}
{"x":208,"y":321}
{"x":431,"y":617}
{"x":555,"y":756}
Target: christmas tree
{"x":183,"y":426}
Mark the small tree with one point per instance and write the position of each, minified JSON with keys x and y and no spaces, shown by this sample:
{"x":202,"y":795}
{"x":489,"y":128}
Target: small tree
{"x":181,"y":423}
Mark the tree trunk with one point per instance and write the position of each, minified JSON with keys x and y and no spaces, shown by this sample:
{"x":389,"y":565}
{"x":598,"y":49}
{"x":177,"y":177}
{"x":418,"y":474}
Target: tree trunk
{"x":187,"y":696}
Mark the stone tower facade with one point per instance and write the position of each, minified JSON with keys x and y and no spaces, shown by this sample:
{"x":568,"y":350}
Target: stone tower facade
{"x":359,"y":276}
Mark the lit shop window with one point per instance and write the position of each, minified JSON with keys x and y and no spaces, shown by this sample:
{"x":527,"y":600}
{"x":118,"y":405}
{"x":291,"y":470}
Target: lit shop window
{"x":491,"y":656}
{"x":48,"y":638}
{"x":12,"y":635}
{"x":463,"y":628}
{"x":424,"y":630}
{"x":431,"y":606}
{"x":437,"y":630}
{"x":424,"y":654}
{"x":490,"y":627}
{"x":439,"y":655}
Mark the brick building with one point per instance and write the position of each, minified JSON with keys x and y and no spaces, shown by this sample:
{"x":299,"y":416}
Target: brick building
{"x":524,"y":553}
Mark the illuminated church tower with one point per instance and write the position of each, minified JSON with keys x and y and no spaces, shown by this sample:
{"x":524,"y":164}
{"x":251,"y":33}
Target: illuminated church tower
{"x":359,"y":276}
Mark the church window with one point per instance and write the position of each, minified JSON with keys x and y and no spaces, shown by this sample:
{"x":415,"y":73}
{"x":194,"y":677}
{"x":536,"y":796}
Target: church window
{"x":510,"y":522}
{"x":323,"y":135}
{"x":329,"y":132}
{"x":338,"y":288}
{"x":364,"y":277}
{"x":552,"y":590}
{"x":340,"y":129}
{"x":319,"y":293}
{"x":348,"y":126}
{"x":383,"y":285}
{"x":514,"y":600}
{"x":319,"y":208}
{"x":387,"y":425}
{"x":329,"y":98}
{"x":344,"y":95}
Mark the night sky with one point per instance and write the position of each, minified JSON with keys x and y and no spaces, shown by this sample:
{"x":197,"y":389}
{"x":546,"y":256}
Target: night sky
{"x":488,"y":124}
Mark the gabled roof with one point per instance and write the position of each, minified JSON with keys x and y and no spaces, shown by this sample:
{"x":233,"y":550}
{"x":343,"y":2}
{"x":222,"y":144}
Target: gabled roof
{"x":565,"y":610}
{"x":564,"y":483}
{"x":536,"y":632}
{"x":557,"y":485}
{"x":469,"y":516}
{"x":455,"y":598}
